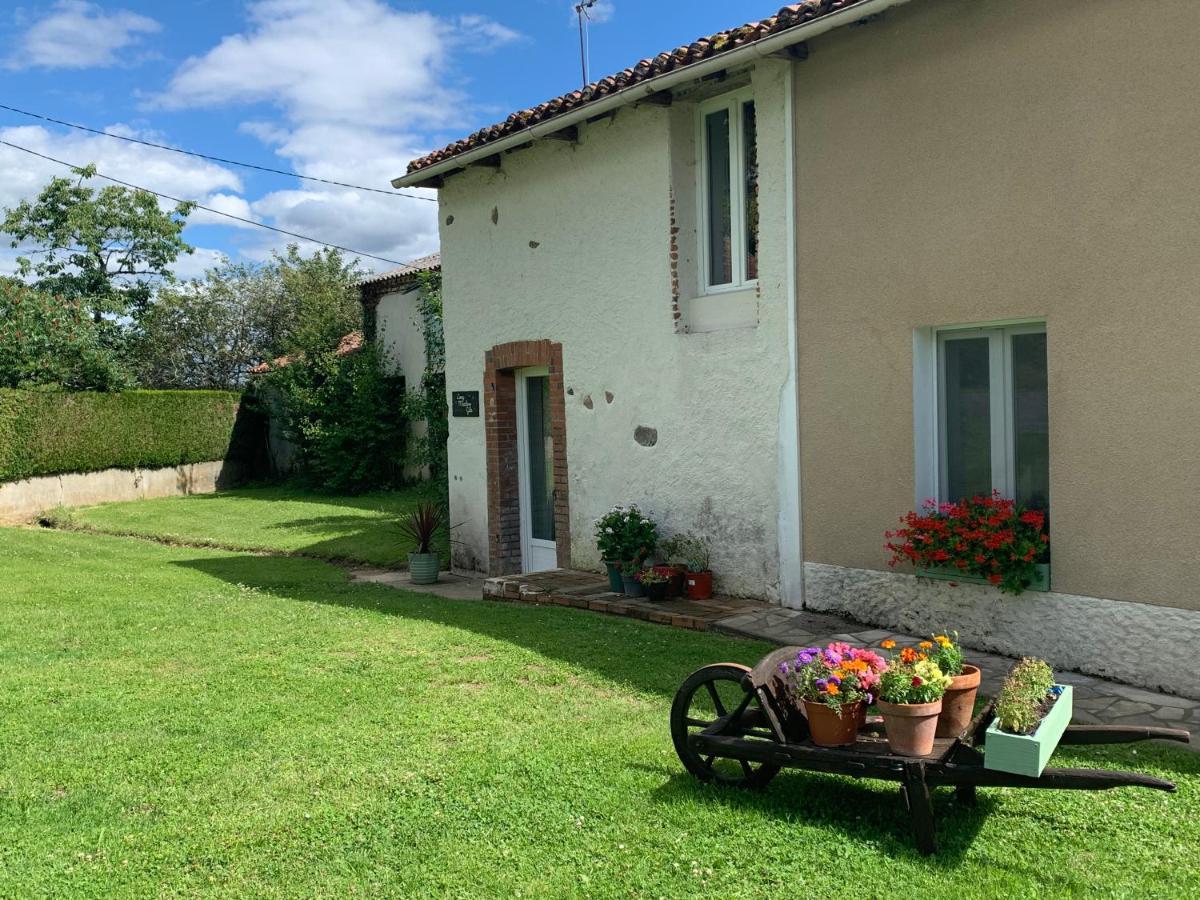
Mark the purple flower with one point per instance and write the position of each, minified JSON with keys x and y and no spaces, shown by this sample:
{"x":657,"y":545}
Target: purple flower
{"x":822,"y":683}
{"x":835,"y":679}
{"x":784,"y":668}
{"x":807,"y":655}
{"x":832,"y":658}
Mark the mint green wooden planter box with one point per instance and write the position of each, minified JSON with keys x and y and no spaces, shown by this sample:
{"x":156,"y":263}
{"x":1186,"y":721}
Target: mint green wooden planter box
{"x":1041,"y":578}
{"x":1027,"y":754}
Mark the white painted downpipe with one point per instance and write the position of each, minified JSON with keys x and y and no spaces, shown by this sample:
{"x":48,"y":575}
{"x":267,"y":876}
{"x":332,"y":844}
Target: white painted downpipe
{"x":633,"y":93}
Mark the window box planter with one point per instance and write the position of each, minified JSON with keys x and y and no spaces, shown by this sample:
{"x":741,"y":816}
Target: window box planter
{"x":1041,"y":581}
{"x":1027,"y":754}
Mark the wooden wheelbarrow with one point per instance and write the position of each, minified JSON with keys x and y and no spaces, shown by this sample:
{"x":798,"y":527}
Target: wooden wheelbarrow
{"x":735,"y":725}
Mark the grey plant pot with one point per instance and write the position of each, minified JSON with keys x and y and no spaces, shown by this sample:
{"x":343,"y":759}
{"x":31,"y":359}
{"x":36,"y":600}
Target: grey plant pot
{"x":423,"y":567}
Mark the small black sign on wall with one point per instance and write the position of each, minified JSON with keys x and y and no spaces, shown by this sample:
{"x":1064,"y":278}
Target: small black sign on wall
{"x":464,"y":404}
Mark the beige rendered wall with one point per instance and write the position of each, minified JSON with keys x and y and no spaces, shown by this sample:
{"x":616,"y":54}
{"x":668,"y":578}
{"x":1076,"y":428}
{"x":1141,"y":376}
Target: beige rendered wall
{"x":966,"y":162}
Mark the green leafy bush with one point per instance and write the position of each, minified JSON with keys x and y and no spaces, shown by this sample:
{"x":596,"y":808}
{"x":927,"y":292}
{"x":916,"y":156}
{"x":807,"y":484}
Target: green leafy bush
{"x":51,"y":433}
{"x":347,"y":417}
{"x":50,"y":341}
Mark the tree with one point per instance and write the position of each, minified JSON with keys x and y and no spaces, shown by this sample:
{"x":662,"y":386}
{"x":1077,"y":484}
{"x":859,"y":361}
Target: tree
{"x":106,"y":248}
{"x":48,"y":341}
{"x":210,"y":333}
{"x":320,"y":300}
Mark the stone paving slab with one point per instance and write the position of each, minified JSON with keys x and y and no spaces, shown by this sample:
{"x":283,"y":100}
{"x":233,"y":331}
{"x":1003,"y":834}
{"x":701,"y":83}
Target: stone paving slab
{"x":587,"y":590}
{"x":1097,"y":701}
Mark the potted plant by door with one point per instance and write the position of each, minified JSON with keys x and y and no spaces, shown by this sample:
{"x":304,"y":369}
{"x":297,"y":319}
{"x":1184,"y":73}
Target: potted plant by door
{"x":695,"y":552}
{"x":672,"y":566}
{"x":958,"y":703}
{"x":624,"y":534}
{"x":420,"y":529}
{"x":1032,"y":712}
{"x":833,"y":686}
{"x":654,"y":583}
{"x":631,"y":582}
{"x":910,"y":698}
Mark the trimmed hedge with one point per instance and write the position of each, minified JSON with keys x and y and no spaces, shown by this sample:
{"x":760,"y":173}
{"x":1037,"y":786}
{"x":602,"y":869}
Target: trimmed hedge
{"x":53,"y":433}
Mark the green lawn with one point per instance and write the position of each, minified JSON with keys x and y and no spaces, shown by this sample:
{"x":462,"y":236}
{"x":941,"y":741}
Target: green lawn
{"x":191,"y":721}
{"x":281,"y":519}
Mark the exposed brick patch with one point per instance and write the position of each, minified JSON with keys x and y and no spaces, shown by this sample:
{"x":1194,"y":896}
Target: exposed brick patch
{"x":676,"y":315}
{"x":500,"y":426}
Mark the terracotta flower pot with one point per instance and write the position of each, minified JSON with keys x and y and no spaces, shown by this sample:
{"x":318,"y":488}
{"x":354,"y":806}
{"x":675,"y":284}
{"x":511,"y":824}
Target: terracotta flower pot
{"x":827,"y":728}
{"x":910,"y":727}
{"x":699,"y":585}
{"x":958,"y":705}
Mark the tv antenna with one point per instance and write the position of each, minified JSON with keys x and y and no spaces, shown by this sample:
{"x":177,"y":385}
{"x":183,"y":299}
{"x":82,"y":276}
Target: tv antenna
{"x":581,"y":10}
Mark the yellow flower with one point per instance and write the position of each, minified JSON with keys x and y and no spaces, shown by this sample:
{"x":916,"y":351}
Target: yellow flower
{"x":832,"y":689}
{"x":925,"y":645}
{"x":888,"y":644}
{"x":943,"y":640}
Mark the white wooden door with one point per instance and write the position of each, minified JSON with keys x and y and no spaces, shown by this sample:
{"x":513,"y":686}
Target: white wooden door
{"x":535,"y":470}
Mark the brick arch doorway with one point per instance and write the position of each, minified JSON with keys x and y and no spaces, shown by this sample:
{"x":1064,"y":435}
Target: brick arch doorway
{"x":501,"y":366}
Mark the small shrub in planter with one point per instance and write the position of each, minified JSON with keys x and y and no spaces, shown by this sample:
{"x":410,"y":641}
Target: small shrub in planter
{"x":1032,"y":712}
{"x":834,"y":686}
{"x":693,"y":550}
{"x":421,"y":528}
{"x":992,"y":539}
{"x":624,"y":534}
{"x":910,"y":698}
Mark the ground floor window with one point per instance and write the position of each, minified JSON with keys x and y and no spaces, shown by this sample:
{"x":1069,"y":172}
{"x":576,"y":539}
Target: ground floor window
{"x":984,"y":398}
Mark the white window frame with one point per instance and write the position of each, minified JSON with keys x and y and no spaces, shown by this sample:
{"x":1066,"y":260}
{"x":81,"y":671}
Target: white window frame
{"x":734,"y":102}
{"x":929,"y":406}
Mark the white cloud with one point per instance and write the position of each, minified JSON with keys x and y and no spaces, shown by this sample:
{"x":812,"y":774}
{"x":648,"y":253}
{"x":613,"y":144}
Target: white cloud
{"x":77,"y":35}
{"x":358,"y":85}
{"x":195,"y":264}
{"x":23,"y":176}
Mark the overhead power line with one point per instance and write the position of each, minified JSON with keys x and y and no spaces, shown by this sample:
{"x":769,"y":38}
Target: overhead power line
{"x":219,"y":159}
{"x":215,"y":212}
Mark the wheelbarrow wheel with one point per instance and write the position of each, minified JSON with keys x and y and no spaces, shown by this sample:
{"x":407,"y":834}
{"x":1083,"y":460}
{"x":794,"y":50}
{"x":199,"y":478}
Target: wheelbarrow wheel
{"x":708,"y":696}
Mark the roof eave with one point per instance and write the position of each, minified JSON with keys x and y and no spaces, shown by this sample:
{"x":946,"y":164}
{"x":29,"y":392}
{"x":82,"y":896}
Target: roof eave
{"x":431,"y":176}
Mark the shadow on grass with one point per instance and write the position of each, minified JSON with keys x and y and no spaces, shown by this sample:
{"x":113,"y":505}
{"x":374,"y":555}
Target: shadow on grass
{"x":652,"y":659}
{"x":871,"y":812}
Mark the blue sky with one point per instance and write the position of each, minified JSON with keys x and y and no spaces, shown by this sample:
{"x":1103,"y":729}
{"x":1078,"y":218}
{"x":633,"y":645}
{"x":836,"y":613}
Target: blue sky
{"x":348,"y":90}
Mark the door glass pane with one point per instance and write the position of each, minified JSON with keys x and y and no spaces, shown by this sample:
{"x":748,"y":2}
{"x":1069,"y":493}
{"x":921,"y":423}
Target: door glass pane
{"x":966,"y":419}
{"x":750,"y":188}
{"x":1031,"y":420}
{"x":541,"y":459}
{"x":720,"y":203}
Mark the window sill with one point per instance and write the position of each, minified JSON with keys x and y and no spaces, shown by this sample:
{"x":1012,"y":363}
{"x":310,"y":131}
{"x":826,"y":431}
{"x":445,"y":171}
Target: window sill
{"x":722,"y":311}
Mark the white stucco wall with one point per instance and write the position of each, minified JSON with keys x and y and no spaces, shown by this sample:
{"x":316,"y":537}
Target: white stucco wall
{"x":401,"y":336}
{"x":571,"y":243}
{"x":399,"y":333}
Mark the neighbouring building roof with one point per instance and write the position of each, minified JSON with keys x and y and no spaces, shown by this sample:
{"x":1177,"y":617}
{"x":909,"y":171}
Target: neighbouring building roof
{"x":790,"y":16}
{"x":350,"y":343}
{"x":382,"y":282}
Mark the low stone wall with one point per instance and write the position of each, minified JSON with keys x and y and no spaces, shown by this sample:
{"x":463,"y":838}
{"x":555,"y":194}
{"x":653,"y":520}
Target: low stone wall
{"x":22,"y":500}
{"x":1131,"y":642}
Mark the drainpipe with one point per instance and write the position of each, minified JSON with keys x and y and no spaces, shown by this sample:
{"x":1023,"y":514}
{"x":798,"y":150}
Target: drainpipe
{"x":790,"y":525}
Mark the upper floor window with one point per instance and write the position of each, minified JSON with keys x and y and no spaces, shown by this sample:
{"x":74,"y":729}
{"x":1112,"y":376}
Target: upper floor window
{"x":728,"y":192}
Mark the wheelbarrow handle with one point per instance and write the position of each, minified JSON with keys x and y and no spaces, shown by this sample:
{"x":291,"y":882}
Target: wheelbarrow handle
{"x":1121,"y":734}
